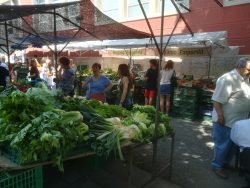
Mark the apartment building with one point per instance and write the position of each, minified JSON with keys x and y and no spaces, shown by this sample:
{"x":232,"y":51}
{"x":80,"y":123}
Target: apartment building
{"x":232,"y":16}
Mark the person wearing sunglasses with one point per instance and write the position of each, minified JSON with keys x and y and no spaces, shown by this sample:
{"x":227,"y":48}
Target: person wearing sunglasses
{"x":231,"y":101}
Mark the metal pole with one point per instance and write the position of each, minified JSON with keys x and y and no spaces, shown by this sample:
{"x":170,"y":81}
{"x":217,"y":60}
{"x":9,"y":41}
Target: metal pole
{"x":149,"y":26}
{"x":3,"y":50}
{"x":209,"y":65}
{"x":76,"y":25}
{"x":210,"y":58}
{"x":69,"y":41}
{"x":7,"y":42}
{"x":55,"y":42}
{"x":178,"y":10}
{"x":171,"y":35}
{"x":155,"y":141}
{"x":130,"y":56}
{"x":171,"y":155}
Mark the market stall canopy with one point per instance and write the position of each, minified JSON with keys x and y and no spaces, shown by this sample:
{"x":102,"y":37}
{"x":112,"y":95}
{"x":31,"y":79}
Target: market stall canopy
{"x":10,"y":12}
{"x":74,"y":21}
{"x":198,"y":40}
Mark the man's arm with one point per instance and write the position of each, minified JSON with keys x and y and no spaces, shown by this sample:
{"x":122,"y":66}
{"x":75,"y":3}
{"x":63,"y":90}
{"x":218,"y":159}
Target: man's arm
{"x":219,"y":111}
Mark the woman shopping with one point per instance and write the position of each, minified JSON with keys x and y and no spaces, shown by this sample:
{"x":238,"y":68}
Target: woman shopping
{"x":124,"y":97}
{"x":165,"y":86}
{"x":66,"y":77}
{"x":34,"y":72}
{"x":97,"y":85}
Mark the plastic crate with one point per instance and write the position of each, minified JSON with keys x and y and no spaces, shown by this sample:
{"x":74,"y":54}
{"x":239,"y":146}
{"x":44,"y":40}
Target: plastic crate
{"x":185,"y":105}
{"x":187,"y":91}
{"x":32,"y":178}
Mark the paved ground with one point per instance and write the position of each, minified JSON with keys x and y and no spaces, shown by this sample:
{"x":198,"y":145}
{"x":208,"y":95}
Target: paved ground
{"x":191,"y":166}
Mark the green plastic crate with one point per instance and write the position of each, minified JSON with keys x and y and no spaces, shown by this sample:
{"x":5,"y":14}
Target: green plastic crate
{"x":187,"y":91}
{"x":32,"y":178}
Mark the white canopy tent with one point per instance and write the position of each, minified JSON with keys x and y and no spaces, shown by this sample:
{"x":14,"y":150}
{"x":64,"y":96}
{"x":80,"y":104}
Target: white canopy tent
{"x":198,"y":40}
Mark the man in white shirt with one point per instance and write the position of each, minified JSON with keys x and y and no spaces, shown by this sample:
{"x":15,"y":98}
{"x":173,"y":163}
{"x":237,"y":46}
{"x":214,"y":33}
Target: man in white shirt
{"x":231,"y":103}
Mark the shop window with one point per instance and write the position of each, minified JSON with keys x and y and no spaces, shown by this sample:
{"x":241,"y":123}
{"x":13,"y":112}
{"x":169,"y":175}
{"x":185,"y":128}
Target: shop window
{"x":134,"y":10}
{"x":170,"y":9}
{"x":234,"y":2}
{"x":110,"y":8}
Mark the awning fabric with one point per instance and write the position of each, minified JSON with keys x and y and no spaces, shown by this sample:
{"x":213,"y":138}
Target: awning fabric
{"x":9,"y":12}
{"x":75,"y":21}
{"x":205,"y":39}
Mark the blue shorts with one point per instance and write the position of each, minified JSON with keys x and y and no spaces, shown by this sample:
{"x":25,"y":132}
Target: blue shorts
{"x":165,"y":89}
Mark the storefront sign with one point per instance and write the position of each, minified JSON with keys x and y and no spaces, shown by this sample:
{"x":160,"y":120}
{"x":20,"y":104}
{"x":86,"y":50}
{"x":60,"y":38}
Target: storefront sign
{"x":174,"y":52}
{"x":134,"y":52}
{"x":186,"y":52}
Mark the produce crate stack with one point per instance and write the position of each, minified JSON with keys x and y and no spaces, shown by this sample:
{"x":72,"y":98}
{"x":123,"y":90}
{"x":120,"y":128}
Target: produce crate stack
{"x":186,"y":102}
{"x":31,"y":178}
{"x":206,"y":105}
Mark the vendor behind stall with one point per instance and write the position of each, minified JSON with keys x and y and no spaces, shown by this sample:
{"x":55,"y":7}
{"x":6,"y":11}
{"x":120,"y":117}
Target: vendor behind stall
{"x":97,"y":85}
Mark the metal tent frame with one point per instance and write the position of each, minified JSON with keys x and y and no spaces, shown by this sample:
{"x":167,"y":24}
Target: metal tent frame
{"x":161,"y":49}
{"x":10,"y":12}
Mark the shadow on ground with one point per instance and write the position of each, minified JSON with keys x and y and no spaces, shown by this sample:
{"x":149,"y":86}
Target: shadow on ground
{"x":192,"y":157}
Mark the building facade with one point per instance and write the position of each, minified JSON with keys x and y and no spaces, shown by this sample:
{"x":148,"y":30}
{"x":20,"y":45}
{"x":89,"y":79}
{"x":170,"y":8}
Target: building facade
{"x":232,"y":16}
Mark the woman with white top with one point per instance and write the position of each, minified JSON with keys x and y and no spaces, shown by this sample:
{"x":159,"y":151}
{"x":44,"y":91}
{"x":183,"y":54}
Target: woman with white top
{"x":165,"y":86}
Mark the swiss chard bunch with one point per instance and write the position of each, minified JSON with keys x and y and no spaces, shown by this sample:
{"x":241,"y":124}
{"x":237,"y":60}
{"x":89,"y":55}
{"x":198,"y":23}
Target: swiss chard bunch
{"x":50,"y":136}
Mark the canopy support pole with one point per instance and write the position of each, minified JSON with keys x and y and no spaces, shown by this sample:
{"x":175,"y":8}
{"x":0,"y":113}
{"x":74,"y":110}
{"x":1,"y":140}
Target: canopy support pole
{"x":55,"y":43}
{"x":218,"y":3}
{"x":76,"y":25}
{"x":69,"y":41}
{"x":209,"y":52}
{"x":7,"y":42}
{"x":161,"y":52}
{"x":3,"y":49}
{"x":182,"y":17}
{"x":25,"y":31}
{"x":149,"y":26}
{"x":157,"y":115}
{"x":171,"y":35}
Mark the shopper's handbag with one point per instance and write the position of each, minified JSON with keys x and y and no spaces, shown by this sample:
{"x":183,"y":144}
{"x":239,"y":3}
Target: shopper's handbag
{"x":173,"y":80}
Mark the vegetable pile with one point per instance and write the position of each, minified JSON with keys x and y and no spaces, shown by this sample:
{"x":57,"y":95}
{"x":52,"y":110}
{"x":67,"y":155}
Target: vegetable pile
{"x":42,"y":125}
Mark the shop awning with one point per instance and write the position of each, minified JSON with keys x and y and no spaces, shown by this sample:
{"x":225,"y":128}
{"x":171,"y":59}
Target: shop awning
{"x":10,"y":12}
{"x":198,"y":40}
{"x":75,"y":21}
